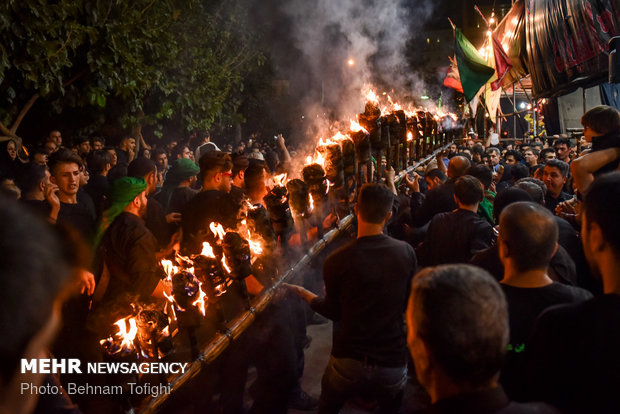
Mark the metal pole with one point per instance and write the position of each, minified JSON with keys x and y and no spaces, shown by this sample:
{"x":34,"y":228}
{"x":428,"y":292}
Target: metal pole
{"x":514,"y":111}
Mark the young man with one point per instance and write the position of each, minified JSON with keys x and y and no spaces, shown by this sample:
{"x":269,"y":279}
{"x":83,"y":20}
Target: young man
{"x":562,"y":149}
{"x":456,"y":236}
{"x":527,"y":241}
{"x":457,"y":322}
{"x":555,"y":175}
{"x":574,"y":359}
{"x":366,"y":286}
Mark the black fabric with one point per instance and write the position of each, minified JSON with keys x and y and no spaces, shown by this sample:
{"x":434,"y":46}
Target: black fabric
{"x":561,"y":268}
{"x":605,"y":142}
{"x":455,"y":237}
{"x":367,"y":285}
{"x":574,"y":358}
{"x":39,"y":207}
{"x":493,"y":401}
{"x":98,"y":188}
{"x":438,"y":200}
{"x":237,"y":195}
{"x":206,"y":207}
{"x":155,"y":221}
{"x":81,"y":216}
{"x":524,"y":306}
{"x":552,"y":202}
{"x":128,"y":249}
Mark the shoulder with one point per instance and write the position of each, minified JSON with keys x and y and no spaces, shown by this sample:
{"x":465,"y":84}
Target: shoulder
{"x":528,"y":408}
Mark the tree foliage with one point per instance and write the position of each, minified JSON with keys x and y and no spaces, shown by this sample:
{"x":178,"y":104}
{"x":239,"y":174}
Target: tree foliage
{"x":179,"y":61}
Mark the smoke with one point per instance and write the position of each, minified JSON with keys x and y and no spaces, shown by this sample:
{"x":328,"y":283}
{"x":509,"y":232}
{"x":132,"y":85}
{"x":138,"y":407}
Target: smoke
{"x":348,"y":45}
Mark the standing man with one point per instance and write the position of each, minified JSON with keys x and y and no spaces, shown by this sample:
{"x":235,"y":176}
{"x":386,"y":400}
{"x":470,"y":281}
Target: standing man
{"x":555,"y":176}
{"x":574,"y":356}
{"x":366,"y":285}
{"x":562,"y":149}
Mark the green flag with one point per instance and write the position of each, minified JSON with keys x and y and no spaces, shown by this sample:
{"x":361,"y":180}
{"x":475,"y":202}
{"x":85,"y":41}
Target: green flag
{"x":473,"y":70}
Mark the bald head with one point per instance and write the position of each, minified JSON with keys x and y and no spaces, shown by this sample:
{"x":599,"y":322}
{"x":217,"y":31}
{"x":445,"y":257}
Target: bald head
{"x":528,"y":236}
{"x":457,"y":166}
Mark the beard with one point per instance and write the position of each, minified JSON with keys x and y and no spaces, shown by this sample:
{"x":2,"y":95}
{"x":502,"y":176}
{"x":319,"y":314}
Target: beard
{"x":142,"y":211}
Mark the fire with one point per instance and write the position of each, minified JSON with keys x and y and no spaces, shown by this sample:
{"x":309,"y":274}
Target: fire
{"x":356,"y":127}
{"x":311,"y":203}
{"x":255,"y":247}
{"x":127,"y":336}
{"x":218,"y":230}
{"x":207,"y":250}
{"x":409,"y":136}
{"x":371,"y":96}
{"x":280,"y":179}
{"x":169,"y":268}
{"x":200,"y":302}
{"x":225,"y":265}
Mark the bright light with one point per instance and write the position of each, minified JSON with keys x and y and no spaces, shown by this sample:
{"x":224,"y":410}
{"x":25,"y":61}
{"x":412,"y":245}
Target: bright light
{"x":492,"y":20}
{"x":489,"y":33}
{"x":351,"y":62}
{"x":425,"y":97}
{"x":529,"y":107}
{"x":522,"y":105}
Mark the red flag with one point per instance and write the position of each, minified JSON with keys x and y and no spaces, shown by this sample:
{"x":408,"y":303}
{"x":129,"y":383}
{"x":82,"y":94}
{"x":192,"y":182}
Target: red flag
{"x":502,"y":63}
{"x":453,"y":80}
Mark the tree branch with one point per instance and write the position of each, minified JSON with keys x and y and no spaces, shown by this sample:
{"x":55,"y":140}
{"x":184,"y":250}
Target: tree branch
{"x":4,"y":129}
{"x":23,"y":112}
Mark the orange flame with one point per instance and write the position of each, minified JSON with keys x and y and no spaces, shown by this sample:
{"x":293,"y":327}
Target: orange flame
{"x":200,"y":302}
{"x":218,"y":230}
{"x":169,"y":268}
{"x":207,"y":250}
{"x":409,"y":136}
{"x":280,"y":179}
{"x":311,"y":203}
{"x":127,"y":336}
{"x":225,"y":265}
{"x":356,"y":127}
{"x":372,"y":96}
{"x":255,"y":247}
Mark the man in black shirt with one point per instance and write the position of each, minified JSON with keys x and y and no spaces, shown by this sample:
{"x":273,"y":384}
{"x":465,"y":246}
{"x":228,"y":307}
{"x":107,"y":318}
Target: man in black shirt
{"x":457,"y":322}
{"x":456,"y":236}
{"x":574,"y":357}
{"x":555,"y":176}
{"x":366,"y":285}
{"x":527,"y":240}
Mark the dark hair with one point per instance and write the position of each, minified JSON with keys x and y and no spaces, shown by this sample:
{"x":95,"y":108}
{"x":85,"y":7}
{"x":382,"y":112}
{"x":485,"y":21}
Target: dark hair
{"x":519,"y":171}
{"x":30,"y":177}
{"x":240,"y":163}
{"x":374,"y":202}
{"x":97,"y":138}
{"x":97,"y":160}
{"x":254,"y":177}
{"x":214,"y":161}
{"x":518,"y":156}
{"x":28,"y":288}
{"x":159,"y":151}
{"x":601,"y":207}
{"x":530,"y":233}
{"x":602,"y":119}
{"x":482,"y":173}
{"x":141,"y":167}
{"x":560,"y":165}
{"x":63,"y":156}
{"x":533,"y":189}
{"x":544,"y":152}
{"x":507,"y":197}
{"x":38,"y":150}
{"x":436,"y":173}
{"x":461,"y":315}
{"x":468,"y":190}
{"x":178,"y":151}
{"x":561,"y":141}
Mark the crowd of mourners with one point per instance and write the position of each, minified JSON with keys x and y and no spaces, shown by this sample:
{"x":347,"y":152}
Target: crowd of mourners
{"x":488,"y":278}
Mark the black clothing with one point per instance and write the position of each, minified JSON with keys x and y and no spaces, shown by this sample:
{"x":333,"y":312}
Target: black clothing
{"x":574,"y":358}
{"x":98,"y":188}
{"x":179,"y":199}
{"x":438,"y":200}
{"x":493,"y":401}
{"x":611,"y":140}
{"x":561,"y":268}
{"x":155,"y":221}
{"x":237,"y":195}
{"x":81,"y":216}
{"x":524,"y":306}
{"x":128,"y":249}
{"x":122,"y":157}
{"x":455,"y":237}
{"x":367,"y":285}
{"x":206,"y":207}
{"x":39,"y":207}
{"x":551,"y":202}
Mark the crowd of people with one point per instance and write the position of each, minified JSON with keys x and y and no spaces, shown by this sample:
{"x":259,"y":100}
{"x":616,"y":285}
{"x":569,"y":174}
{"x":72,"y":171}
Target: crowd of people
{"x":504,"y":260}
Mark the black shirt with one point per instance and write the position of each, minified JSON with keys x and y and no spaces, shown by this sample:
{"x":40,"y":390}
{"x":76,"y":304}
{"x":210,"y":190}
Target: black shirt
{"x":81,"y":216}
{"x":367,"y":285}
{"x":438,"y":200}
{"x":551,"y":202}
{"x":524,"y":306}
{"x":155,"y":221}
{"x":574,"y":358}
{"x":179,"y":199}
{"x":455,"y":237}
{"x":206,"y":207}
{"x":493,"y":401}
{"x":97,"y":188}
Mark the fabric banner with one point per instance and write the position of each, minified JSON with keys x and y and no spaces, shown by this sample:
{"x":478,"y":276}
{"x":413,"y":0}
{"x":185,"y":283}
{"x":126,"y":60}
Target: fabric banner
{"x":566,"y":42}
{"x":453,"y":80}
{"x":473,"y":70}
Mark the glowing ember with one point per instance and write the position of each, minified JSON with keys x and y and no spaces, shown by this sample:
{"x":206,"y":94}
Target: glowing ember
{"x":207,"y":250}
{"x":169,"y":268}
{"x":311,"y":203}
{"x":409,"y":136}
{"x":355,"y":127}
{"x":255,"y":247}
{"x":225,"y":265}
{"x":372,"y":96}
{"x":280,"y":179}
{"x":127,"y":336}
{"x":218,"y":230}
{"x":200,"y":302}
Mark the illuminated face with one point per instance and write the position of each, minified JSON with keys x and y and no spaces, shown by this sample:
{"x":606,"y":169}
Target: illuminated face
{"x":50,"y":147}
{"x":494,"y":158}
{"x":112,"y":152}
{"x":67,"y":177}
{"x":143,"y":203}
{"x":225,"y":181}
{"x":56,"y":138}
{"x":549,"y":156}
{"x":530,"y":158}
{"x":510,"y":160}
{"x":84,"y":176}
{"x":130,"y":144}
{"x":97,"y":145}
{"x":186,"y":153}
{"x":553,"y":179}
{"x":162,"y":161}
{"x":40,"y":159}
{"x":561,"y":151}
{"x":84,"y":147}
{"x":11,"y":148}
{"x":589,"y":133}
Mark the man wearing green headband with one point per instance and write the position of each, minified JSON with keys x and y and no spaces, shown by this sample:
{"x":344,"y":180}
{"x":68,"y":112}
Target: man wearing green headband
{"x":127,"y":248}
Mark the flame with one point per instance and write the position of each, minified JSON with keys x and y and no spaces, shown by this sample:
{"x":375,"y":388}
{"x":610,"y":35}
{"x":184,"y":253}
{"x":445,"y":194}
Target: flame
{"x":409,"y":136}
{"x":225,"y":265}
{"x":200,"y":302}
{"x":255,"y":247}
{"x":280,"y":179}
{"x":311,"y":203}
{"x":328,"y":186}
{"x":372,"y":96}
{"x":127,"y":336}
{"x":169,"y":268}
{"x":207,"y":250}
{"x":356,"y":127}
{"x":218,"y":230}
